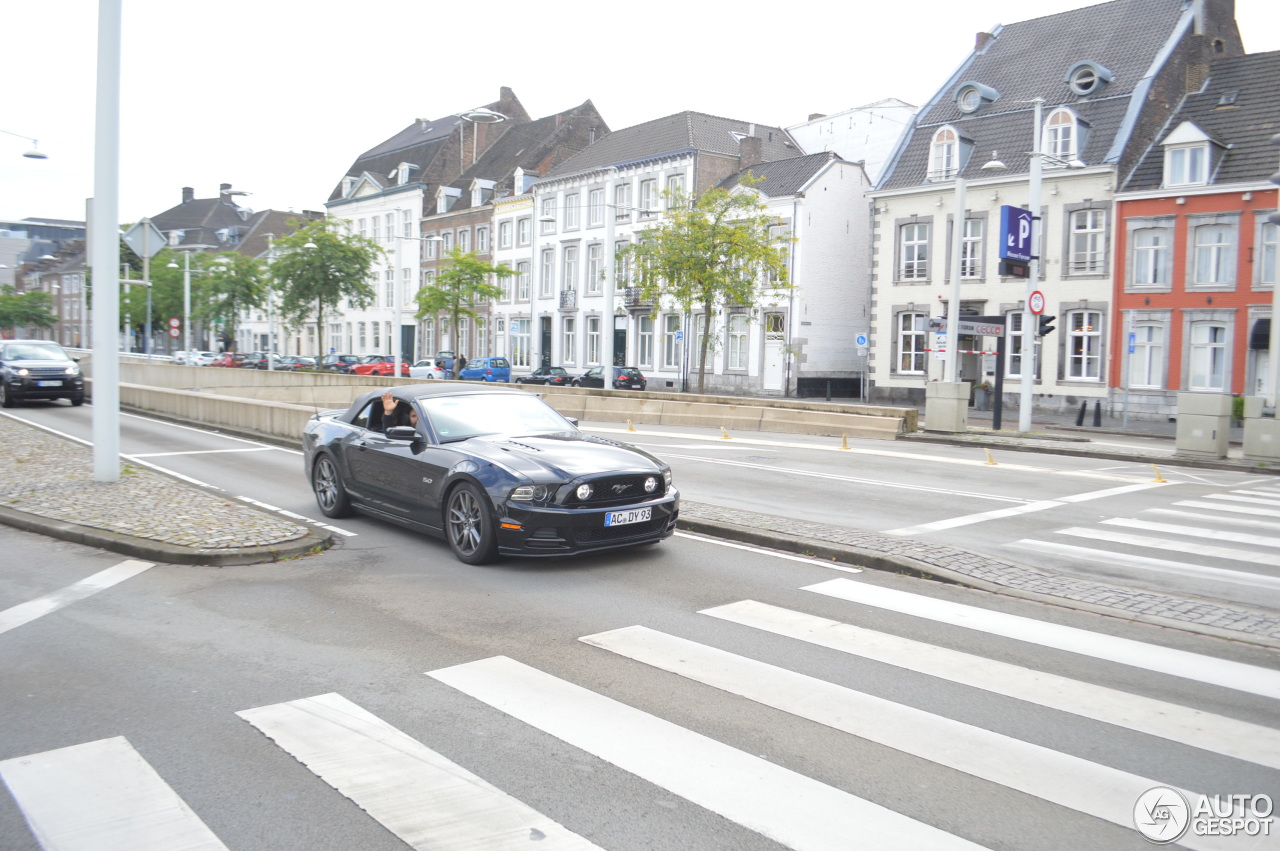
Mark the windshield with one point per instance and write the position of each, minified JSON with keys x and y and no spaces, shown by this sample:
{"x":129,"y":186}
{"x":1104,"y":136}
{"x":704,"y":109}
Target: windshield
{"x":557,"y":370}
{"x":34,"y":351}
{"x":461,"y":417}
{"x":629,"y":372}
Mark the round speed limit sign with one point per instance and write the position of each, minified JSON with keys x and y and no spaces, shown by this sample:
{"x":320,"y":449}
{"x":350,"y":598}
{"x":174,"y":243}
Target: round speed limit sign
{"x":1036,"y":302}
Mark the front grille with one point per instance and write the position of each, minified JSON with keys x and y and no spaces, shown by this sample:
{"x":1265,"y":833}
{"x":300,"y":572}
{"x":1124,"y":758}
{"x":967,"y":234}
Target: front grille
{"x":48,"y":372}
{"x":615,"y":490}
{"x":614,"y":533}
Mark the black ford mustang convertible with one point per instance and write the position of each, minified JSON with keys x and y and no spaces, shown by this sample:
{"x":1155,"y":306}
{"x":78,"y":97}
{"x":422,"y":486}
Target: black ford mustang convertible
{"x":493,"y":470}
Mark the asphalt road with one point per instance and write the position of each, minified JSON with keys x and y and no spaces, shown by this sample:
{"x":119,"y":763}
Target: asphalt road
{"x":694,"y":716}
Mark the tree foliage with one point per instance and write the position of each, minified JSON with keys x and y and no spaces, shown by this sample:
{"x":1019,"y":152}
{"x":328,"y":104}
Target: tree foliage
{"x":314,"y":281}
{"x":228,"y":283}
{"x":465,"y":282}
{"x":716,"y":251}
{"x":26,"y":310}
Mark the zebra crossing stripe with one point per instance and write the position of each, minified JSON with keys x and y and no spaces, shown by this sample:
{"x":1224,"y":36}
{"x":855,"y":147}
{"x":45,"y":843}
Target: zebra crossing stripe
{"x":1069,"y":781}
{"x":1237,"y":509}
{"x":102,"y":796}
{"x":1124,"y":651}
{"x":1193,"y":532}
{"x":795,"y":810}
{"x":23,"y":613}
{"x":420,"y":796}
{"x":1235,"y":497}
{"x":1204,"y":730}
{"x":1196,"y":571}
{"x":1154,"y":543}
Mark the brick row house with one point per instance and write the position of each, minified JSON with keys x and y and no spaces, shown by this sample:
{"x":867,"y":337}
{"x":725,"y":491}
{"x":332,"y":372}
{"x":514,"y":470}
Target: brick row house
{"x":1108,"y":78}
{"x":1195,"y":255}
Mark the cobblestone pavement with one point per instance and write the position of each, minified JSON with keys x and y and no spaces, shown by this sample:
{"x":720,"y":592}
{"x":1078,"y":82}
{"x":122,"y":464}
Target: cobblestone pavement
{"x":47,"y":485}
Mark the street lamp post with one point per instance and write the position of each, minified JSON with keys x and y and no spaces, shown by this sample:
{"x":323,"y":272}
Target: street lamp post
{"x":35,"y":153}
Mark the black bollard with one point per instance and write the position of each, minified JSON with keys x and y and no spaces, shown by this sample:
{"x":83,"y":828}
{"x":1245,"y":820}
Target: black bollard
{"x":1097,"y":414}
{"x":828,"y":391}
{"x":1084,"y":406}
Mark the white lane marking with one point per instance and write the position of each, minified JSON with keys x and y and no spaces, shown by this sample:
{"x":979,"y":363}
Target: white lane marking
{"x":423,"y":798}
{"x":792,"y":809}
{"x":1193,"y":532}
{"x":1204,"y":730}
{"x":802,"y":559}
{"x":1001,"y":513}
{"x":1123,"y":651}
{"x":1207,"y":518}
{"x":290,"y":514}
{"x":1237,"y":509}
{"x":1069,"y":781}
{"x":22,"y":613}
{"x":102,"y":796}
{"x":1235,"y":497}
{"x":202,"y":452}
{"x":883,"y":453}
{"x":1195,"y":571}
{"x":1188,"y":547}
{"x":880,"y":483}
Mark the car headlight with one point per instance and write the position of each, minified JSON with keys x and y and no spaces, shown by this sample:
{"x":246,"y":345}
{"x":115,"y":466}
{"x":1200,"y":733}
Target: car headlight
{"x":24,"y":371}
{"x":73,"y":370}
{"x":529,"y":493}
{"x":650,"y":484}
{"x":584,"y":492}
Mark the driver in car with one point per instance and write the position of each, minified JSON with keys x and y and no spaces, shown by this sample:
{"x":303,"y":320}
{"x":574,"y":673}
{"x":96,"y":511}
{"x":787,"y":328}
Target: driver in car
{"x":392,"y":413}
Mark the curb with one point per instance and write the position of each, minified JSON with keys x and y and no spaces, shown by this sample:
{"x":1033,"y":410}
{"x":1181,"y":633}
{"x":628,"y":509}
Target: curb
{"x":855,"y":556}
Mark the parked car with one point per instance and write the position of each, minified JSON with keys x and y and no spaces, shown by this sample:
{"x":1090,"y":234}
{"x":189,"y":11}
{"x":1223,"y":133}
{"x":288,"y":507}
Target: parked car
{"x":427,"y":368}
{"x":493,"y":470}
{"x":180,"y":357}
{"x":486,"y":369}
{"x":38,"y":369}
{"x":623,"y":378}
{"x":258,"y":360}
{"x":229,"y":359}
{"x":292,"y":363}
{"x":338,"y":363}
{"x":201,"y":358}
{"x":556,"y":376}
{"x":379,"y":365}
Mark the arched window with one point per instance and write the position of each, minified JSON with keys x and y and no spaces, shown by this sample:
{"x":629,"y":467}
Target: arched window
{"x":944,"y":154}
{"x":1060,"y":136}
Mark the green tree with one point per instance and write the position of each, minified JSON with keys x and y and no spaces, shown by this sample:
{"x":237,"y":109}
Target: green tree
{"x":26,"y":310}
{"x":716,"y":251}
{"x":229,"y":283}
{"x":464,"y":283}
{"x":319,"y":265}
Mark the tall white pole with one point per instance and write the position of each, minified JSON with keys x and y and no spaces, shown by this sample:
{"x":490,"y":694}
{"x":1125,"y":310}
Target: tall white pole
{"x":1029,"y":321}
{"x":186,"y":303}
{"x":106,"y":248}
{"x":952,"y":372}
{"x":611,"y":276}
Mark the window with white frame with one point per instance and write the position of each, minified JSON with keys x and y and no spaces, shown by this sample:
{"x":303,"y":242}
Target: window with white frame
{"x":621,"y":265}
{"x":1060,"y":137}
{"x":737,"y":342}
{"x":360,"y":227}
{"x":675,"y":190}
{"x":568,"y":339}
{"x":548,"y":272}
{"x":1088,"y":242}
{"x":375,"y":228}
{"x":406,"y":223}
{"x":524,"y":231}
{"x":406,"y":286}
{"x":649,"y":195}
{"x":520,"y":342}
{"x":447,"y":245}
{"x":1151,"y":257}
{"x":1187,"y":165}
{"x":504,"y":234}
{"x":571,"y":216}
{"x":522,"y":280}
{"x":350,"y":338}
{"x":429,"y":248}
{"x":914,"y":251}
{"x":463,"y":337}
{"x":569,"y":269}
{"x":593,"y":340}
{"x":482,"y":338}
{"x":429,"y":336}
{"x":376,"y":328}
{"x":482,"y":239}
{"x":391,"y":226}
{"x":1146,"y":363}
{"x":644,"y":337}
{"x":971,"y":249}
{"x":911,"y":344}
{"x":1207,"y":356}
{"x":595,"y":268}
{"x":464,"y":240}
{"x":1267,"y":253}
{"x":548,"y":218}
{"x":1084,"y":345}
{"x":944,"y":153}
{"x":622,"y":202}
{"x":1013,"y":344}
{"x":389,"y":288}
{"x":671,"y":342}
{"x":1213,"y":262}
{"x":335,"y":336}
{"x":595,"y":207}
{"x":360,"y":330}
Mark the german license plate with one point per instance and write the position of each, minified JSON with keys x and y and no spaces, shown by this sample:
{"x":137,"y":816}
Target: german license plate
{"x":48,"y":383}
{"x":622,"y":518}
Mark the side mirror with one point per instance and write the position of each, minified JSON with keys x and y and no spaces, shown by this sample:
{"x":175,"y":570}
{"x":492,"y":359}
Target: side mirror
{"x":573,"y":421}
{"x":402,"y":433}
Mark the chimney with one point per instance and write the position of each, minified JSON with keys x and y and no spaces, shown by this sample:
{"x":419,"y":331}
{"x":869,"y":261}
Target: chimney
{"x":814,"y":116}
{"x":224,"y":191}
{"x":750,"y":152}
{"x":981,"y":40}
{"x":188,"y":195}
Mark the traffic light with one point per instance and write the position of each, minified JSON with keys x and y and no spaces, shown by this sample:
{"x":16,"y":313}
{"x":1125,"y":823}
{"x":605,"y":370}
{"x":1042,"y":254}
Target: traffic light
{"x":1046,"y":325}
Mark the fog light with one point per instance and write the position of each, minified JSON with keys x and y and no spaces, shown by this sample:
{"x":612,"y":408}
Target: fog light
{"x":584,"y":492}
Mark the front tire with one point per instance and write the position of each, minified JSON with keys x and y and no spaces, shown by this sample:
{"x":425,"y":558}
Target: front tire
{"x":6,"y":397}
{"x":77,"y":401}
{"x":331,"y":496}
{"x":469,"y":525}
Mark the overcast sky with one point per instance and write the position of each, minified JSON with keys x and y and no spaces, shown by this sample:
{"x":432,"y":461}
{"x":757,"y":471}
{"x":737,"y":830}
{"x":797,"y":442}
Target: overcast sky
{"x":278,"y":98}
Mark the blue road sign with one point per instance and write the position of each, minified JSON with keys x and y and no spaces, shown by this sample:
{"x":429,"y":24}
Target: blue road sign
{"x":1015,"y":234}
{"x":861,"y":339}
{"x":1133,"y":342}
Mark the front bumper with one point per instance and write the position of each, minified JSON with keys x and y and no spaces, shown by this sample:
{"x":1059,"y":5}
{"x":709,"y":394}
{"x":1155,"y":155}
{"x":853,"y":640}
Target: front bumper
{"x":30,"y":387}
{"x":555,"y":530}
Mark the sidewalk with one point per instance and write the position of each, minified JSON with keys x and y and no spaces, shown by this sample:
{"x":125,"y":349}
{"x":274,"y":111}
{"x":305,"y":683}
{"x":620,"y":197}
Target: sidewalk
{"x":46,"y":486}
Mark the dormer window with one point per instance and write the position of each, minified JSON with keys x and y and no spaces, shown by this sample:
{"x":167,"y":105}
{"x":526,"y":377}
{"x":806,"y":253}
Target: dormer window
{"x":403,"y":173}
{"x":971,"y":97}
{"x":1085,"y":78}
{"x":446,"y":198}
{"x":481,"y":192}
{"x":1186,"y":156}
{"x":1061,"y":136}
{"x":944,"y":154}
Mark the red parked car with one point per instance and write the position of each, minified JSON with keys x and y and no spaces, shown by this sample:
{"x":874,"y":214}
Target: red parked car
{"x":229,"y":359}
{"x":379,"y":365}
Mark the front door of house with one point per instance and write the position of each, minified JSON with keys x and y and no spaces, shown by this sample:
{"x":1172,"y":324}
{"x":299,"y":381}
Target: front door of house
{"x":775,"y":344}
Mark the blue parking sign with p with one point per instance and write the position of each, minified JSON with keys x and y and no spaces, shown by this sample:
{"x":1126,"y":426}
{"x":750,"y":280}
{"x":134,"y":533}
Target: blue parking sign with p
{"x":1015,"y":234}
